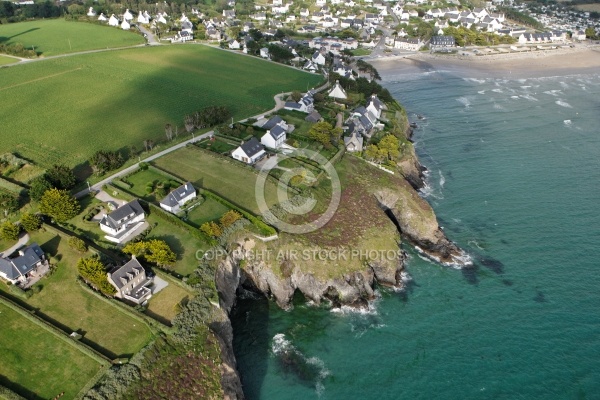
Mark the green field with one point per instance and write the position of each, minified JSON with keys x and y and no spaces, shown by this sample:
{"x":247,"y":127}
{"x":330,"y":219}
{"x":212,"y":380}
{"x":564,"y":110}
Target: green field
{"x":71,"y":308}
{"x":226,"y":177}
{"x":209,"y":210}
{"x":140,"y":179}
{"x":163,"y":305}
{"x":117,"y":99}
{"x":57,"y":36}
{"x":7,"y":60}
{"x":37,"y":364}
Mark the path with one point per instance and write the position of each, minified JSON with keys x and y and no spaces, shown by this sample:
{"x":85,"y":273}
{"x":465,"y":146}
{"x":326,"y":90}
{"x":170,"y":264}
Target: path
{"x":23,"y":239}
{"x":148,"y":35}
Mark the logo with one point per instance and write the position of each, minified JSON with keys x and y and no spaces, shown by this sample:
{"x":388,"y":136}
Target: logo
{"x":290,"y":176}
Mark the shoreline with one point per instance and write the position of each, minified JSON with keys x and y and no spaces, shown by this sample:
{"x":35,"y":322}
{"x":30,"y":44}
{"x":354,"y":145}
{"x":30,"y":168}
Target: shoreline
{"x":530,"y":64}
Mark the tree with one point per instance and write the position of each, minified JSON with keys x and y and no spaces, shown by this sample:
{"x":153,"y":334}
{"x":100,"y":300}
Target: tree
{"x":93,"y":271}
{"x":9,"y":202}
{"x":323,"y":132}
{"x":103,"y":161}
{"x":9,"y":231}
{"x":61,"y":177}
{"x":296,"y":95}
{"x":154,"y":251}
{"x":211,"y":229}
{"x":77,"y":244}
{"x":31,"y":222}
{"x":590,"y":33}
{"x":390,"y":147}
{"x":169,"y":131}
{"x":59,"y":205}
{"x":38,"y":187}
{"x":229,"y":218}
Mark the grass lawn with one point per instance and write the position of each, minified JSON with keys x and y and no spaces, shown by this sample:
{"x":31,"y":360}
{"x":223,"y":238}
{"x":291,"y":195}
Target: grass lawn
{"x":223,"y":176}
{"x":218,"y":146}
{"x":71,"y":308}
{"x":209,"y":210}
{"x":4,"y":60}
{"x":297,"y":119}
{"x":140,"y":179}
{"x":117,"y":99}
{"x":57,"y":36}
{"x":36,"y":364}
{"x":361,"y":52}
{"x":162,"y":306}
{"x":182,"y":243}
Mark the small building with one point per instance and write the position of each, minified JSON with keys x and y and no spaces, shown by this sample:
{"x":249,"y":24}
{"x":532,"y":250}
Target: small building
{"x":125,"y":25}
{"x":127,"y":16}
{"x":274,"y":121}
{"x":313,"y":117}
{"x":143,"y":18}
{"x":131,"y":282}
{"x":337,"y":92}
{"x":123,"y":221}
{"x":102,"y":17}
{"x":264,"y":53}
{"x":20,"y":268}
{"x":249,"y":152}
{"x":318,"y":58}
{"x":234,"y":45}
{"x":113,"y":21}
{"x":354,"y":142}
{"x":178,"y":197}
{"x":375,"y":106}
{"x":274,"y":137}
{"x":91,"y":12}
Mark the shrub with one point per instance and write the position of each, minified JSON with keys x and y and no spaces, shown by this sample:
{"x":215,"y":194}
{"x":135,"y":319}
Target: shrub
{"x":77,"y":244}
{"x":10,"y":231}
{"x":229,"y":218}
{"x":31,"y":222}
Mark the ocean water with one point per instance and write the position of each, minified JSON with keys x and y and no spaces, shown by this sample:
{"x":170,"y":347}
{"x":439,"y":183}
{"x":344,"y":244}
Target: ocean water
{"x":514,"y":178}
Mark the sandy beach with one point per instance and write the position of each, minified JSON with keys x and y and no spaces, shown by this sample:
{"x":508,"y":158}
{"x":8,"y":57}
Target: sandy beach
{"x":531,"y":64}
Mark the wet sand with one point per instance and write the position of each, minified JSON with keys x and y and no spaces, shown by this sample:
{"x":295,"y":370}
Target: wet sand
{"x":533,"y":64}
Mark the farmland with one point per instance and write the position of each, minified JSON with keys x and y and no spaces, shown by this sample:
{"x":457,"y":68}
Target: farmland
{"x":588,"y":7}
{"x":36,"y":363}
{"x":226,"y":177}
{"x":117,"y":99}
{"x":57,"y":36}
{"x":7,"y":60}
{"x":62,"y":300}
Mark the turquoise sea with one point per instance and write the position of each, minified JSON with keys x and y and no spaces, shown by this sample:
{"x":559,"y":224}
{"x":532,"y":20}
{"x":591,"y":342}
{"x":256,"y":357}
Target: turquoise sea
{"x":514,"y":178}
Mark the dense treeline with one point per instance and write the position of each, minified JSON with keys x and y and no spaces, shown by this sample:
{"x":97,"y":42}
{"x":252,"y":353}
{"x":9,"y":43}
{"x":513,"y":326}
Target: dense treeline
{"x":10,"y":12}
{"x":514,"y":15}
{"x":468,"y":37}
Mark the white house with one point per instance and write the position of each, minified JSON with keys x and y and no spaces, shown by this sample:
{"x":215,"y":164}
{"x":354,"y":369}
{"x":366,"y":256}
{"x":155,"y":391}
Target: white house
{"x":25,"y":265}
{"x":123,"y":221}
{"x":113,"y":21}
{"x":375,"y":106}
{"x":125,"y":25}
{"x":91,"y":12}
{"x":127,"y":16}
{"x":178,"y":197}
{"x":274,"y":137}
{"x":143,"y":18}
{"x":102,"y":17}
{"x":305,"y":105}
{"x":264,"y":53}
{"x":318,"y":58}
{"x":234,"y":45}
{"x":249,"y":152}
{"x":354,"y":142}
{"x":131,"y":282}
{"x":338,"y":92}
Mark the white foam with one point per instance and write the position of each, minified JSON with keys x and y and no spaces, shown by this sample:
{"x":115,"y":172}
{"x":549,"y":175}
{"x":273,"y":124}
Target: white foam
{"x":567,"y":122}
{"x":481,"y":92}
{"x":474,"y":243}
{"x":529,"y":97}
{"x":497,"y":90}
{"x":442,"y":179}
{"x":555,"y":92}
{"x":563,"y":104}
{"x":514,"y":97}
{"x":564,"y":85}
{"x":465,"y":101}
{"x":498,"y":107}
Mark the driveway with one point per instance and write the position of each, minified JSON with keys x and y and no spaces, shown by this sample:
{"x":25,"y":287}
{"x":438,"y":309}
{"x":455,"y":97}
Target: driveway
{"x":23,"y":239}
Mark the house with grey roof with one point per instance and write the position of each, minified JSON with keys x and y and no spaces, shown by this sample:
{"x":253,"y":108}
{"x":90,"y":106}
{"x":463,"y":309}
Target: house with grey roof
{"x":131,"y":282}
{"x":25,"y":265}
{"x":274,"y":138}
{"x":123,"y":221}
{"x":354,"y":142}
{"x":249,"y":152}
{"x":178,"y":197}
{"x":273,"y":121}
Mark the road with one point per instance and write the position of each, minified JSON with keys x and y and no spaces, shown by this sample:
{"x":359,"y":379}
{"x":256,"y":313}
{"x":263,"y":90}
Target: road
{"x":279,"y":104}
{"x":148,"y":35}
{"x":23,"y":239}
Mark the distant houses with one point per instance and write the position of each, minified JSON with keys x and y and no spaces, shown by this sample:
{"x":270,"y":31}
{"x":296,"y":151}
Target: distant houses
{"x":177,"y":198}
{"x":122,"y":222}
